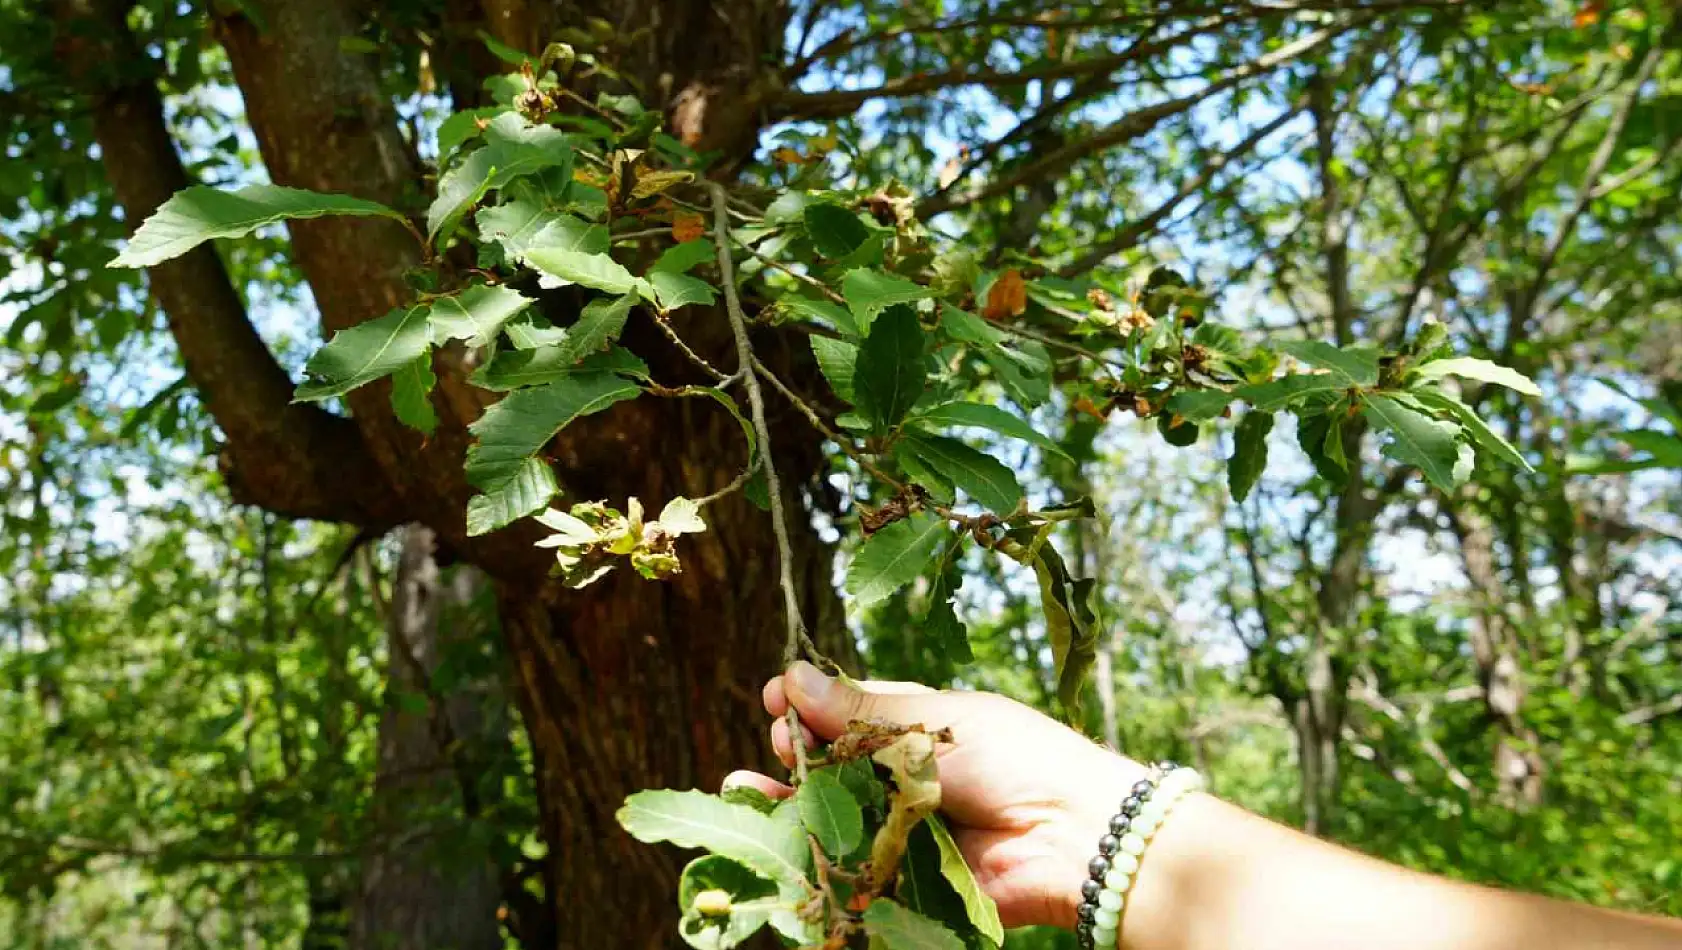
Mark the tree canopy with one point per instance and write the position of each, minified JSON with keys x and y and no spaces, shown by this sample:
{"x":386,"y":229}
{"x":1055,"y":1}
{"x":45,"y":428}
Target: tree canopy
{"x":426,"y":424}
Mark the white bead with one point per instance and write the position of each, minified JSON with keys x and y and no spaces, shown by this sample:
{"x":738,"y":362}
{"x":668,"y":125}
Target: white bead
{"x":1132,"y":844}
{"x":1124,"y":862}
{"x":1103,"y":937}
{"x":1146,"y":825}
{"x":1118,"y":880}
{"x":1106,"y":919}
{"x":1109,"y":900}
{"x":1153,"y":811}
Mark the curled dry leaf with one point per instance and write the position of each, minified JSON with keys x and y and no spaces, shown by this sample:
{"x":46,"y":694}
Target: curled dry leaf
{"x":688,"y":227}
{"x":1008,"y":297}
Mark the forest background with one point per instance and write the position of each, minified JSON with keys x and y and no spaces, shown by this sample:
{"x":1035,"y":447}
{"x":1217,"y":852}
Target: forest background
{"x":256,"y":690}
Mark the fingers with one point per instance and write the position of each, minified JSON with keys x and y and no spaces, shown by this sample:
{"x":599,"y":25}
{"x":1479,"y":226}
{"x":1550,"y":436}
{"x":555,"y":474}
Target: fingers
{"x":742,"y":778}
{"x":781,"y":745}
{"x":826,"y":704}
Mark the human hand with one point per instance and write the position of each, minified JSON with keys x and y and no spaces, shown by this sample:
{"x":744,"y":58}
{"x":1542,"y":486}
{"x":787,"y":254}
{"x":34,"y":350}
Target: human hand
{"x":1026,"y":797}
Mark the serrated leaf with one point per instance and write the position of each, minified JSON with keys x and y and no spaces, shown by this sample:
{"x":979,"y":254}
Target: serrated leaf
{"x":520,"y":368}
{"x":1288,"y":390}
{"x":989,"y":482}
{"x":900,"y":928}
{"x":524,"y":223}
{"x":599,"y":324}
{"x":893,"y":557}
{"x":870,"y":292}
{"x":1482,"y":370}
{"x":939,"y":487}
{"x":982,"y":910}
{"x":1321,"y":439}
{"x":513,"y":148}
{"x":836,"y":360}
{"x":198,"y":214}
{"x":1351,"y":366}
{"x":476,"y":315}
{"x":1416,"y":439}
{"x":672,"y":291}
{"x":1475,"y":425}
{"x":980,"y":416}
{"x":515,"y":429}
{"x":411,"y":387}
{"x":682,"y":516}
{"x":1249,"y":453}
{"x":830,"y":813}
{"x":890,"y":371}
{"x":681,"y":258}
{"x":596,"y":271}
{"x":1199,"y":405}
{"x":692,"y":819}
{"x":526,"y":487}
{"x":824,"y":311}
{"x":366,"y":352}
{"x":835,"y":231}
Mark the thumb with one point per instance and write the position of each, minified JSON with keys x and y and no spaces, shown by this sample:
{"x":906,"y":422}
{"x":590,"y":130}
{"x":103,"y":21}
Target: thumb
{"x":826,"y":704}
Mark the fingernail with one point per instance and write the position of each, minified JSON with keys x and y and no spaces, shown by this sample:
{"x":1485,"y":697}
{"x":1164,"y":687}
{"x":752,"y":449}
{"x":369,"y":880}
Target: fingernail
{"x":811,"y":682}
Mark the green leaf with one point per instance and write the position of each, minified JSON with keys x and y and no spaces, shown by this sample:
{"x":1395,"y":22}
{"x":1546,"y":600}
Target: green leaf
{"x":1353,"y":366}
{"x":410,"y":389}
{"x":1480,"y":431}
{"x":788,"y":208}
{"x":749,"y":796}
{"x":1481,"y":370}
{"x":869,"y":292}
{"x":860,"y":778}
{"x":526,"y":487}
{"x":521,"y":368}
{"x":1249,"y":453}
{"x":835,"y":231}
{"x":893,"y":557}
{"x":693,"y":819}
{"x":1181,"y":435}
{"x":515,"y":429}
{"x":890,"y":371}
{"x":1665,"y":449}
{"x":1288,"y":390}
{"x":513,"y":148}
{"x":198,"y":214}
{"x":989,"y":482}
{"x":523,"y":224}
{"x":829,"y":812}
{"x":939,"y":487}
{"x":752,"y":899}
{"x":977,"y":415}
{"x":1321,"y":438}
{"x":1416,"y":439}
{"x":716,"y":872}
{"x":598,"y":325}
{"x":672,"y":291}
{"x":824,"y":311}
{"x":462,"y":127}
{"x":1070,"y":624}
{"x":941,"y":624}
{"x":900,"y":928}
{"x":983,"y":912}
{"x":836,"y":360}
{"x":1199,"y":405}
{"x":681,"y":258}
{"x":476,"y":315}
{"x":596,"y":271}
{"x":365,"y":352}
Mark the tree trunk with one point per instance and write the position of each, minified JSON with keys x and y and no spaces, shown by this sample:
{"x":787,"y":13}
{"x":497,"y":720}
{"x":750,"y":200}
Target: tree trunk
{"x":435,"y":884}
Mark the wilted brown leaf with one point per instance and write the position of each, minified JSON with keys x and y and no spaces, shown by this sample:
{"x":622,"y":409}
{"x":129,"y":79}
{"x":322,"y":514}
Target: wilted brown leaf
{"x":687,"y":227}
{"x":1008,"y":297}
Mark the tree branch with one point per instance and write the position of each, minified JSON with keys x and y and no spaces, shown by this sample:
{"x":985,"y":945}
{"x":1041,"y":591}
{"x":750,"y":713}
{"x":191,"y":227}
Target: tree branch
{"x":1131,"y":126}
{"x":295,"y":460}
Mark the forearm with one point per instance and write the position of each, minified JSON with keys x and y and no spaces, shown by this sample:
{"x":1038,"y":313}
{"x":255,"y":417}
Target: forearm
{"x":1219,"y":878}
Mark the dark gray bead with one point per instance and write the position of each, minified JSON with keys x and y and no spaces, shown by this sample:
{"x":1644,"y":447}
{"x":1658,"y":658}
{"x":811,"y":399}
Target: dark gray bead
{"x":1108,"y":844}
{"x":1120,"y":825}
{"x":1099,"y":866}
{"x":1086,"y":911}
{"x":1142,"y":788}
{"x":1130,"y":805}
{"x":1089,"y":889}
{"x":1085,"y":940}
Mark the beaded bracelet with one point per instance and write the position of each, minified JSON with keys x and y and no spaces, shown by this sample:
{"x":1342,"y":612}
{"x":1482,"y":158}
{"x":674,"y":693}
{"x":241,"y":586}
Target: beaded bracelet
{"x":1104,"y":893}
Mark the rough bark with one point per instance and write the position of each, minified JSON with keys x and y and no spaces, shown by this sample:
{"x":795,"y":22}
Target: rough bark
{"x":430,"y":889}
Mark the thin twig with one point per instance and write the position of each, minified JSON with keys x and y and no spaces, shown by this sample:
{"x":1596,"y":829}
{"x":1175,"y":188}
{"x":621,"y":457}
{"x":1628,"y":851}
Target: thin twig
{"x":823,"y":427}
{"x":723,"y":378}
{"x":756,"y":404}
